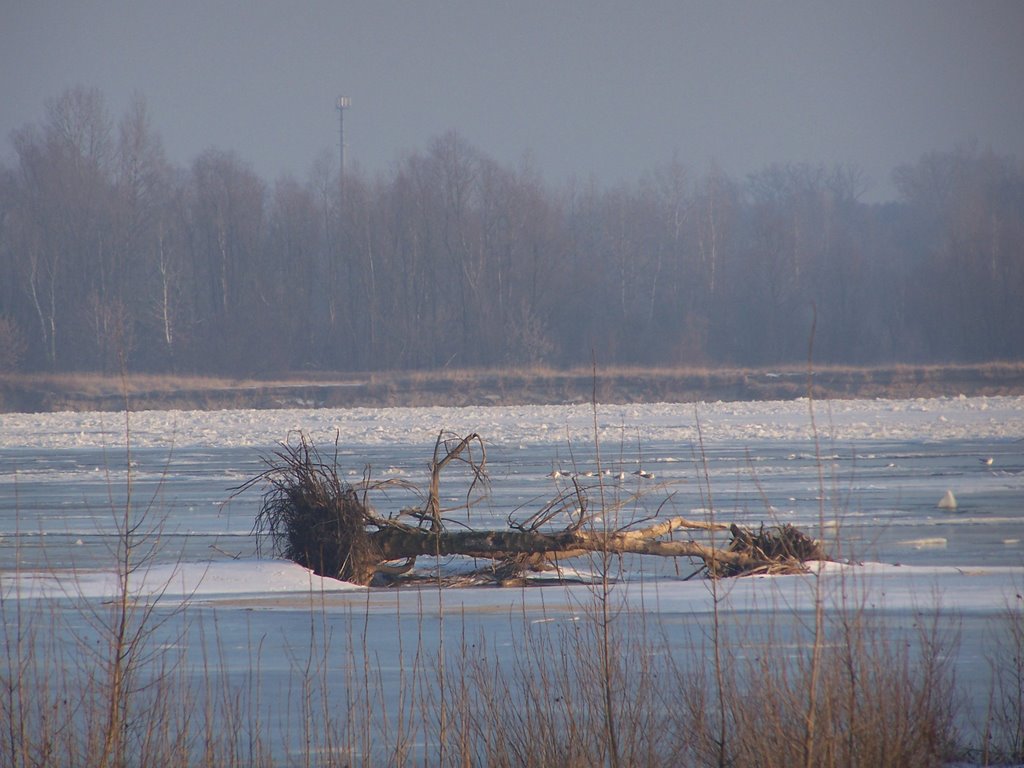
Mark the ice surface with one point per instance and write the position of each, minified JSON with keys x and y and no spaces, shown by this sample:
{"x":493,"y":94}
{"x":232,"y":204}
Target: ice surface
{"x":876,"y":586}
{"x":962,"y":418}
{"x":894,"y":458}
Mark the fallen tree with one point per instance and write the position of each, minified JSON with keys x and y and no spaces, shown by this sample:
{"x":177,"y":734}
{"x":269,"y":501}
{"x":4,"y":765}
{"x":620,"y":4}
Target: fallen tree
{"x":312,"y":517}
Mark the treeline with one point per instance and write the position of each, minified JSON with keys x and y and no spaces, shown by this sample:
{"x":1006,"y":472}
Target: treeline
{"x":111,"y":257}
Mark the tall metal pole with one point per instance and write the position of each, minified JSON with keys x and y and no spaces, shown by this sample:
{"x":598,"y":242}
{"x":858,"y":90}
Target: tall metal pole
{"x":344,"y":102}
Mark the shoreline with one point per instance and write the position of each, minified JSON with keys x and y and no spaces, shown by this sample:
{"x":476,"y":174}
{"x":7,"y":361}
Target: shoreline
{"x":50,"y":393}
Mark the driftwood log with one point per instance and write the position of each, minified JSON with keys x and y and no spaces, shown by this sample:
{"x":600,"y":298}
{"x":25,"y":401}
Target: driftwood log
{"x":310,"y":516}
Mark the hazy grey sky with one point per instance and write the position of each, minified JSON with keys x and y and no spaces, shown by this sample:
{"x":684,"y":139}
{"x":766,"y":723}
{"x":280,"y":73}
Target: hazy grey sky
{"x":607,"y":90}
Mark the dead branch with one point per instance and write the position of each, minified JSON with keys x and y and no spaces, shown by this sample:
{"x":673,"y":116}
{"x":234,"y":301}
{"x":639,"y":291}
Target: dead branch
{"x":312,"y":517}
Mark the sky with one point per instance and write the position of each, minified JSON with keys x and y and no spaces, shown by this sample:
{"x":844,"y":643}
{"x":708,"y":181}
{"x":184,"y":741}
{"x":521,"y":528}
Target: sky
{"x":577,"y":90}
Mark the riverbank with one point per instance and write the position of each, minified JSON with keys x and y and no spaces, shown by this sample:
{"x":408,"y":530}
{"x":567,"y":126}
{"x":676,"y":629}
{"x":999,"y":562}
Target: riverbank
{"x":31,"y":393}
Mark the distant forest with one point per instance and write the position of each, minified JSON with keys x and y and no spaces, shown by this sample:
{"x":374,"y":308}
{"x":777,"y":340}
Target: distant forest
{"x":112,"y":258}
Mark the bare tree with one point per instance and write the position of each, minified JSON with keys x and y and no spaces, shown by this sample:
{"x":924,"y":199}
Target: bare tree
{"x":226,"y":222}
{"x":971,"y":203}
{"x":62,"y":216}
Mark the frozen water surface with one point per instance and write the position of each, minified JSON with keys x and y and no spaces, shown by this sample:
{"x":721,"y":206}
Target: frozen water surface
{"x":868,"y":481}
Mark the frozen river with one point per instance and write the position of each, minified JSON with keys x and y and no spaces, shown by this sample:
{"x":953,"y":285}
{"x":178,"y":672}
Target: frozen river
{"x":870,"y":484}
{"x":878,"y":500}
{"x":868,"y":481}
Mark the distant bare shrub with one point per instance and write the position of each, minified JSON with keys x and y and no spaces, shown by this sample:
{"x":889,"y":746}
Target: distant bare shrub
{"x":113,"y":331}
{"x":12,"y":345}
{"x":528,"y":340}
